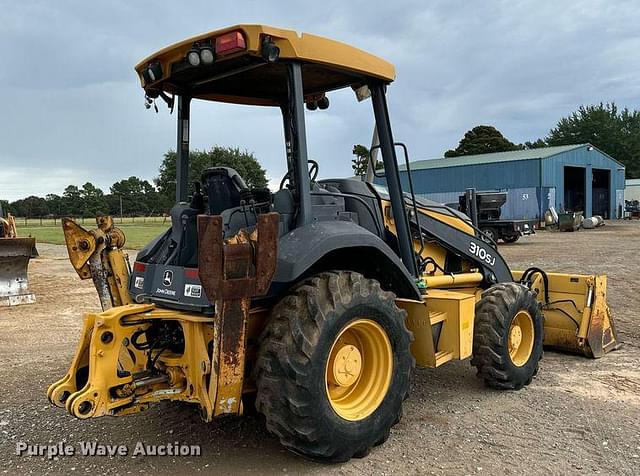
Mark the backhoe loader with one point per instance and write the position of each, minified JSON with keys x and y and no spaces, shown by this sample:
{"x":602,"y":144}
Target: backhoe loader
{"x":318,"y":299}
{"x":15,"y":254}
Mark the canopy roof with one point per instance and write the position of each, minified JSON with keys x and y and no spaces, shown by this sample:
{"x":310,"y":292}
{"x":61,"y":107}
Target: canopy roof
{"x":245,"y":77}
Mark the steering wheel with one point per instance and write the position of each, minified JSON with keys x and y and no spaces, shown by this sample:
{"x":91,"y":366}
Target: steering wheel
{"x":313,"y":173}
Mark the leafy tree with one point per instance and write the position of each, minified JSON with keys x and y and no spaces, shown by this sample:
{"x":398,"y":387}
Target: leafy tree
{"x":29,"y":207}
{"x":614,"y":131}
{"x":361,"y":159}
{"x":537,"y":144}
{"x":55,"y":204}
{"x":138,"y":197}
{"x":72,"y":201}
{"x":482,"y":140}
{"x":243,"y":162}
{"x":93,"y":202}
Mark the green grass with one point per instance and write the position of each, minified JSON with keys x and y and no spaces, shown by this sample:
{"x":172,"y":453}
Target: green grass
{"x":138,"y":234}
{"x":30,"y":222}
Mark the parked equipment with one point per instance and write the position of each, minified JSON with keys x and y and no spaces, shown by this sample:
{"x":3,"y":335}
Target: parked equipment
{"x":488,"y":209}
{"x":569,"y":221}
{"x":15,"y":254}
{"x":551,"y":218}
{"x":631,"y":209}
{"x":317,"y":299}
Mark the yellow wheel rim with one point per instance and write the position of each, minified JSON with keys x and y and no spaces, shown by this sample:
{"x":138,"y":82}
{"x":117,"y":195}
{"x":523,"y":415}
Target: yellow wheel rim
{"x":359,"y":369}
{"x":520,"y":342}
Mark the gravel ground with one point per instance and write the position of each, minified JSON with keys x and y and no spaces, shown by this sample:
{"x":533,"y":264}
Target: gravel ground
{"x":578,"y":416}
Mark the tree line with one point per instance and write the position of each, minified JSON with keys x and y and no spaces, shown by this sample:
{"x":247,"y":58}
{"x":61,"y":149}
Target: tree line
{"x":134,"y":196}
{"x":612,"y":130}
{"x":129,"y":197}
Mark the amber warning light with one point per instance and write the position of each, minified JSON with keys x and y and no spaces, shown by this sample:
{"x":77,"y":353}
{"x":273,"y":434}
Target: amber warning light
{"x":230,"y":43}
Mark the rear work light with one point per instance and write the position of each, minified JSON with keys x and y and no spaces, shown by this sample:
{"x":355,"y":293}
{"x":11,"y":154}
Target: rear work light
{"x":207,"y":56}
{"x":230,"y":43}
{"x":193,"y":57}
{"x":152,"y":73}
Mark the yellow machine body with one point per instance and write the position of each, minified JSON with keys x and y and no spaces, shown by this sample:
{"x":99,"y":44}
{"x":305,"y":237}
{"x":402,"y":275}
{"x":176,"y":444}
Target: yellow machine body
{"x":577,"y":320}
{"x":577,"y":317}
{"x":108,"y":375}
{"x":210,"y":359}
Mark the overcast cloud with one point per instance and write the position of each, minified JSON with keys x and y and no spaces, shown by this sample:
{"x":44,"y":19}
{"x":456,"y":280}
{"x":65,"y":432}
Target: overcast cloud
{"x":73,"y":108}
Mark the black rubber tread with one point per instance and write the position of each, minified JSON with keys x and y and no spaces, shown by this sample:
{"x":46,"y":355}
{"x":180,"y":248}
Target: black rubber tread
{"x":290,"y":369}
{"x":494,"y":313}
{"x":491,"y":233}
{"x":510,"y":238}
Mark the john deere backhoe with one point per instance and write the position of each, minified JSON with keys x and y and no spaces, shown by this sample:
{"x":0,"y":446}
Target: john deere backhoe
{"x":320,"y":298}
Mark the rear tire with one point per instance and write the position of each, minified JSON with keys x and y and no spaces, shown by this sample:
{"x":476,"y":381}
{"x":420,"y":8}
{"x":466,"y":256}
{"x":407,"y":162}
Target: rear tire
{"x":508,"y":336}
{"x":510,"y":238}
{"x":490,"y":233}
{"x":297,"y":362}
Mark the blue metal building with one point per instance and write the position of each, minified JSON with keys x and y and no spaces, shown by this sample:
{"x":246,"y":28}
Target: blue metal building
{"x":572,"y":177}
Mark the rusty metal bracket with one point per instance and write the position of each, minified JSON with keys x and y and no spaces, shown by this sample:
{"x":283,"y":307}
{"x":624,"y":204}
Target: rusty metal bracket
{"x":233,"y":271}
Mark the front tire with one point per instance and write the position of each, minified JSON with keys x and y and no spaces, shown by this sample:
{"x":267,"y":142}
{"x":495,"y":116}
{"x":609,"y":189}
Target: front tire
{"x":333,"y":367}
{"x":508,"y":336}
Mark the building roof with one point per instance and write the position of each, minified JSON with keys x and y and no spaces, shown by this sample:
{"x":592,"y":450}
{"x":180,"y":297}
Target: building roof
{"x":527,"y":154}
{"x":632,"y":182}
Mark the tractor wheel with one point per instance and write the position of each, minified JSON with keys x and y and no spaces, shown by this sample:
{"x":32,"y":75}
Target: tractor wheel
{"x":491,"y":233}
{"x":508,"y":336}
{"x":333,"y":367}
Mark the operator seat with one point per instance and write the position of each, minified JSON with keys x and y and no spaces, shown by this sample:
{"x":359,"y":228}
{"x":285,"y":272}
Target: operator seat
{"x":224,"y":188}
{"x":228,"y":196}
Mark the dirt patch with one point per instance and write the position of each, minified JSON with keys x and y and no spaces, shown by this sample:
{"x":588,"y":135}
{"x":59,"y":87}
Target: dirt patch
{"x":578,"y":416}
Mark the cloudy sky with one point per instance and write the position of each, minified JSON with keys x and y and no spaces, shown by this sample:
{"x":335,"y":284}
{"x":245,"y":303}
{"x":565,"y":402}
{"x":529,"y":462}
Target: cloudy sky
{"x":73,"y":108}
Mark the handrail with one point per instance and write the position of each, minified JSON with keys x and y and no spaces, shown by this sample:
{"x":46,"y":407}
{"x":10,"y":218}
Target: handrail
{"x":413,"y":195}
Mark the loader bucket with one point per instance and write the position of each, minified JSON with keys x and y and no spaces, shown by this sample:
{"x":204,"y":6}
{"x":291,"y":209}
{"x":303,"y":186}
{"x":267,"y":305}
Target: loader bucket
{"x":577,"y":318}
{"x":15,"y":254}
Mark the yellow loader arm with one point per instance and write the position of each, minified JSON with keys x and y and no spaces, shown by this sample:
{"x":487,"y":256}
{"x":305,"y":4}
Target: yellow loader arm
{"x":577,"y":317}
{"x":97,"y":254}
